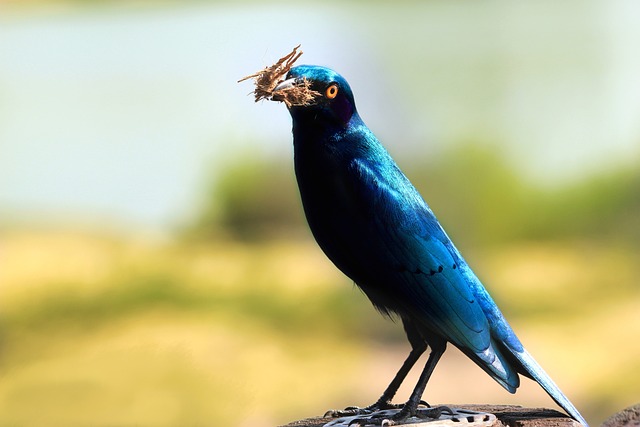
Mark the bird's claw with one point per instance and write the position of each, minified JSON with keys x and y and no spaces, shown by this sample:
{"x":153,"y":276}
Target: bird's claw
{"x":423,"y":403}
{"x":376,"y":419}
{"x":433,"y":412}
{"x":351,"y":411}
{"x":380,"y":405}
{"x":384,"y":420}
{"x":347,"y":412}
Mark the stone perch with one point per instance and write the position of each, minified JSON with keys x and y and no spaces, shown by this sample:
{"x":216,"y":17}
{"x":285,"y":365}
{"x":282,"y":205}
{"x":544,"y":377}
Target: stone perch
{"x":506,"y":416}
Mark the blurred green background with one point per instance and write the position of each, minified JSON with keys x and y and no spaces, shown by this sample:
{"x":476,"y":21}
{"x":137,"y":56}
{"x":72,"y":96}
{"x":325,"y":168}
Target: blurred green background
{"x":155,"y":266}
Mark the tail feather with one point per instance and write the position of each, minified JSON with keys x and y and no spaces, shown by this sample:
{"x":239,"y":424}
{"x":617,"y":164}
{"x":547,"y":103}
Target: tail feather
{"x":533,"y":370}
{"x":499,"y":367}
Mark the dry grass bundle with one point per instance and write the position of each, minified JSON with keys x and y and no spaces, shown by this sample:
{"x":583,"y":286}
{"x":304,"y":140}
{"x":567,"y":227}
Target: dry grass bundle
{"x":269,"y":78}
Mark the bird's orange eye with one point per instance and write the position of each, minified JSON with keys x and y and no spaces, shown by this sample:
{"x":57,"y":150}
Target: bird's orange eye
{"x":332,"y":91}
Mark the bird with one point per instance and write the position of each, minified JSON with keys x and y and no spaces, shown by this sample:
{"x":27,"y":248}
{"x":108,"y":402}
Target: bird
{"x":376,"y":228}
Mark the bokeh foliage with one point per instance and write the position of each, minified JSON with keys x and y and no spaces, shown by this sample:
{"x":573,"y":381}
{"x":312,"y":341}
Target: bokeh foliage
{"x":252,"y":198}
{"x":472,"y":187}
{"x":112,"y":331}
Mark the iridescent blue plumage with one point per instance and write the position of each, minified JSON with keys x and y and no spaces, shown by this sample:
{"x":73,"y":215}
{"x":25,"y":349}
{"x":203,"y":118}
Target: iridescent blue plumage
{"x":375,"y":227}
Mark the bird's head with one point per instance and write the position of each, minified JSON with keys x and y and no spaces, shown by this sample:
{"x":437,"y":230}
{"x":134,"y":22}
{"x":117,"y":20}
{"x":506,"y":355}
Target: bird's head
{"x":334,"y":100}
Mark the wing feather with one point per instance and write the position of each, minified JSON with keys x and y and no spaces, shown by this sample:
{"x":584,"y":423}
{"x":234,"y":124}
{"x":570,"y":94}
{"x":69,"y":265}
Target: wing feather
{"x":416,"y":257}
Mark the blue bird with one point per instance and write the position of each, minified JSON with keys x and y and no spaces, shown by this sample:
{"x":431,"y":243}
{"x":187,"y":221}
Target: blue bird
{"x":376,"y":228}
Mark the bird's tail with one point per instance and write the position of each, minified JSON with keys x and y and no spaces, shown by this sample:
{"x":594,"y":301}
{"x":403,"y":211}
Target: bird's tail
{"x":531,"y":368}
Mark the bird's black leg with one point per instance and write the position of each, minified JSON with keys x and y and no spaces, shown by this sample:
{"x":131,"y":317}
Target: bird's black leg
{"x":410,"y":408}
{"x":418,"y":347}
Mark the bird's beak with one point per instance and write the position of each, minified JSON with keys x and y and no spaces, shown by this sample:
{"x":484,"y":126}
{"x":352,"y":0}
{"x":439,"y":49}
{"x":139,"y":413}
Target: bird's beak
{"x":287,"y":84}
{"x":278,"y":95}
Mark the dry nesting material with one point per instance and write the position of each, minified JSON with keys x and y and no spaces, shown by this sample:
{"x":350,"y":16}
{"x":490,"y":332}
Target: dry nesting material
{"x":266,"y":81}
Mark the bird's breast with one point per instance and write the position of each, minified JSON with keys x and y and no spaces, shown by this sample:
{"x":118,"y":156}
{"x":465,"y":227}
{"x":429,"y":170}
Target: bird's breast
{"x":324,"y":192}
{"x":335,"y":219}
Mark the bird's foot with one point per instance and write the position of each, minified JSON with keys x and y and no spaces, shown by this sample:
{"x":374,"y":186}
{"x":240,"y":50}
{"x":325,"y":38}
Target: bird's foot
{"x":346,"y":412}
{"x":441,"y":415}
{"x":384,"y":418}
{"x":433,"y":413}
{"x":380,"y":405}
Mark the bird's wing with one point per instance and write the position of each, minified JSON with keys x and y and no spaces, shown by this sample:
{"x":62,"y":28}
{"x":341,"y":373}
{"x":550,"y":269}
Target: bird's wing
{"x":414,"y":253}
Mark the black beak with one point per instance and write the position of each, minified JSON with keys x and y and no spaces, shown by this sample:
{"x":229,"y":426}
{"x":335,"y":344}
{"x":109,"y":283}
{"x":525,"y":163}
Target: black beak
{"x":295,"y":81}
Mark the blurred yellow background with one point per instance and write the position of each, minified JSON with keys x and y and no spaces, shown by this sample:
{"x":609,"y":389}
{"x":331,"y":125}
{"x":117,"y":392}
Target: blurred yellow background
{"x":155,"y":267}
